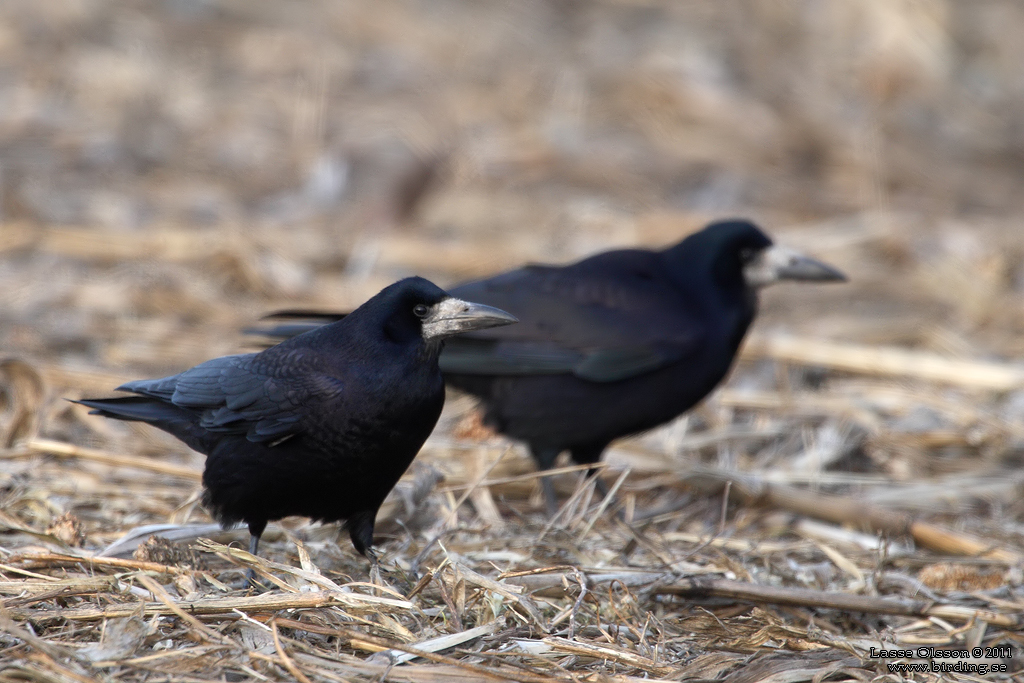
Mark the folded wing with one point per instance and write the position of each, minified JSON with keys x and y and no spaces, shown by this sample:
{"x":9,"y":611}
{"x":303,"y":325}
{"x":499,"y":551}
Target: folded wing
{"x":260,"y":395}
{"x":602,"y":320}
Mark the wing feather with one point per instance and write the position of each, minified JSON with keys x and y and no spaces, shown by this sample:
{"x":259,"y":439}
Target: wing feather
{"x":260,"y":395}
{"x":604,"y":319}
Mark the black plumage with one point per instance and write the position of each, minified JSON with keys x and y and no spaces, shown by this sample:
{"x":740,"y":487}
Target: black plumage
{"x":617,"y":343}
{"x":321,"y":425}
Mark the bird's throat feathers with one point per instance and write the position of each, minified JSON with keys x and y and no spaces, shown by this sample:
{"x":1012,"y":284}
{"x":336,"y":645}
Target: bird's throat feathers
{"x":430,"y":349}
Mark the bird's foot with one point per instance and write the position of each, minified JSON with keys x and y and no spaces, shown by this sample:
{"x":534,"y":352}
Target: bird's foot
{"x":252,"y":582}
{"x":374,"y":559}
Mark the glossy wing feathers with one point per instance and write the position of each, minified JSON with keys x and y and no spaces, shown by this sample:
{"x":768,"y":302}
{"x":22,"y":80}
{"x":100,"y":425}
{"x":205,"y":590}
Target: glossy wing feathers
{"x":603,"y":319}
{"x":260,"y":395}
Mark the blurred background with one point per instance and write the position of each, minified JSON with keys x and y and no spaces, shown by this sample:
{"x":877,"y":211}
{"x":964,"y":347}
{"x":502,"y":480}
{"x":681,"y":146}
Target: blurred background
{"x":170,"y":171}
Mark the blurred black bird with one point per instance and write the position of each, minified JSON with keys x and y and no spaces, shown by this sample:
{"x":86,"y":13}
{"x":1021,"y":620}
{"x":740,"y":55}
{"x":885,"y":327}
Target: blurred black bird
{"x":321,"y":425}
{"x":615,"y":344}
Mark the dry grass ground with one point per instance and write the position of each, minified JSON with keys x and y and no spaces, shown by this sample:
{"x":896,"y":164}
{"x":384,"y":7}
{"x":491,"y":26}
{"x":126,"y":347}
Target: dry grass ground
{"x":171,"y":171}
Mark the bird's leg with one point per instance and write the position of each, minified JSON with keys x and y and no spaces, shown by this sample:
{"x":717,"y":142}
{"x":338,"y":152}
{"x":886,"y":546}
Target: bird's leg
{"x":360,"y":530}
{"x":255,"y":532}
{"x":254,"y":542}
{"x":545,"y":459}
{"x":550,"y":497}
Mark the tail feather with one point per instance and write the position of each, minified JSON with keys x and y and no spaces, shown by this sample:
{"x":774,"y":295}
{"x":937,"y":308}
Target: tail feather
{"x":279,"y":333}
{"x":323,"y":316}
{"x":304,"y":322}
{"x":180,"y":422}
{"x":134,"y":408}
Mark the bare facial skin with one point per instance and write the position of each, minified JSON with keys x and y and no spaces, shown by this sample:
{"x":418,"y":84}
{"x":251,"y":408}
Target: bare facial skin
{"x":453,"y":316}
{"x":777,"y":263}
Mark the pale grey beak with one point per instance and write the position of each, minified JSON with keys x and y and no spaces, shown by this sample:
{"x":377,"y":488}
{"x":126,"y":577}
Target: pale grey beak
{"x":806,"y":268}
{"x":453,"y":316}
{"x":782,"y":263}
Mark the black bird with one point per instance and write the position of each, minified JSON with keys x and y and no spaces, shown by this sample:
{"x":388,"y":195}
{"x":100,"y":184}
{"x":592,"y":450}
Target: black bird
{"x":617,"y":343}
{"x":321,"y":425}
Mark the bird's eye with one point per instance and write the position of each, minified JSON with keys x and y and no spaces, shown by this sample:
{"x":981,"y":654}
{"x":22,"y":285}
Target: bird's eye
{"x":747,"y":255}
{"x":420,"y":310}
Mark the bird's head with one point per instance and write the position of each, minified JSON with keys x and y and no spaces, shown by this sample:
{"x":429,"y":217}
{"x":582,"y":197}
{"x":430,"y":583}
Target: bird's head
{"x":738,"y":248}
{"x":420,"y":305}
